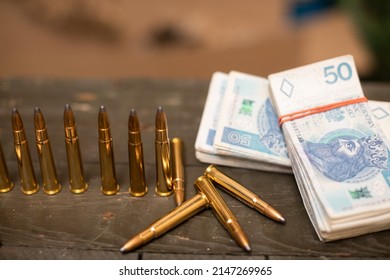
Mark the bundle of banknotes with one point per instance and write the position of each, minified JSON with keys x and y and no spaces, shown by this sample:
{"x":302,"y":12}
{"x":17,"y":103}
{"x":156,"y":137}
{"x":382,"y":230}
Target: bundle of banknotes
{"x":239,"y":126}
{"x":313,"y":121}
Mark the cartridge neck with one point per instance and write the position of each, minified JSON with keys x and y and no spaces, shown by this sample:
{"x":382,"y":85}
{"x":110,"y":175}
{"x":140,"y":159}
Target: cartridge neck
{"x":70,"y":132}
{"x":134,"y":137}
{"x":41,"y":135}
{"x":19,"y":136}
{"x":162,"y":135}
{"x":104,"y":134}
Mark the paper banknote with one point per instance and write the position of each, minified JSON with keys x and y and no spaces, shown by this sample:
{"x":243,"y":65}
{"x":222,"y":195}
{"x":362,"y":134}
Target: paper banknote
{"x":209,"y":122}
{"x":340,"y":156}
{"x":247,"y":123}
{"x":207,"y":151}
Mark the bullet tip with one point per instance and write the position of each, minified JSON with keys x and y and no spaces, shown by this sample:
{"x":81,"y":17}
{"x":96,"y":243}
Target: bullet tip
{"x":247,"y":248}
{"x":161,"y":118}
{"x":123,"y":250}
{"x":39,"y":121}
{"x":179,"y":200}
{"x":103,"y":120}
{"x":69,"y":120}
{"x":133,"y":123}
{"x":17,"y":123}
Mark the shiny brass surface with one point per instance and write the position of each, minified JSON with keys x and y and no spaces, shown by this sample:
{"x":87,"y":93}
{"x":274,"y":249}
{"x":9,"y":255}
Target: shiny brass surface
{"x":6,"y":184}
{"x":177,"y":170}
{"x":243,"y":194}
{"x":222,"y":211}
{"x":162,"y":151}
{"x":28,"y":180}
{"x":136,"y":157}
{"x":49,"y":174}
{"x":106,"y":154}
{"x":73,"y":154}
{"x":181,"y":213}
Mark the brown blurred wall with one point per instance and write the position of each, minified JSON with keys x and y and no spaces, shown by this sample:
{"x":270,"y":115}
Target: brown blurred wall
{"x":180,"y":39}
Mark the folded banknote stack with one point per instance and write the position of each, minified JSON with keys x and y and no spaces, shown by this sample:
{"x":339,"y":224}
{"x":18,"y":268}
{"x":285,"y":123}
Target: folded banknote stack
{"x":339,"y":154}
{"x":239,"y":126}
{"x":315,"y":120}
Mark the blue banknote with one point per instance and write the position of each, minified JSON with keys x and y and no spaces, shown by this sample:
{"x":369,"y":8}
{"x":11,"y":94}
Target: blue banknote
{"x":248,"y":124}
{"x":340,"y":155}
{"x":207,"y":151}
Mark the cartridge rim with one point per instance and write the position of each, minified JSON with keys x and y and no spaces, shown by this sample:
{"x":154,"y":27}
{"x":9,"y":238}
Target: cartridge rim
{"x":109,"y":192}
{"x":8,"y":188}
{"x":31,"y":192}
{"x":138,"y":194}
{"x":52,"y":192}
{"x":168,"y":193}
{"x":79,"y":190}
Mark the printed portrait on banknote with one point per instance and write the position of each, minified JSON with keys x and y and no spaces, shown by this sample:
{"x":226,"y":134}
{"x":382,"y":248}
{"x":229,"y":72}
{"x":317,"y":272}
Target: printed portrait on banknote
{"x":345,"y":157}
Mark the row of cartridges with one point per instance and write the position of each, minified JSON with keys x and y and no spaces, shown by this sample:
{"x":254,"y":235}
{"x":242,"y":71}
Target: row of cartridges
{"x":169,"y":173}
{"x":169,"y":165}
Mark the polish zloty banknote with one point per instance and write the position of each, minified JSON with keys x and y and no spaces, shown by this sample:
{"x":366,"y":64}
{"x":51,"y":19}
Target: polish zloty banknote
{"x":247,"y":124}
{"x":381,"y":113}
{"x":206,"y":151}
{"x":208,"y":125}
{"x":340,"y":157}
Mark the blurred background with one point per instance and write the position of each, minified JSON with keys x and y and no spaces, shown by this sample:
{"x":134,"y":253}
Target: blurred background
{"x":189,"y":39}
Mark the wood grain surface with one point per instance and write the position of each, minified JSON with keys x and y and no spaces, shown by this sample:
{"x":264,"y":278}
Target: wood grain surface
{"x":94,"y":226}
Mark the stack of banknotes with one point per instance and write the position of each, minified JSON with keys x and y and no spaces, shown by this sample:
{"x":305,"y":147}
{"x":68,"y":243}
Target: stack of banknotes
{"x":239,"y":126}
{"x":339,"y":155}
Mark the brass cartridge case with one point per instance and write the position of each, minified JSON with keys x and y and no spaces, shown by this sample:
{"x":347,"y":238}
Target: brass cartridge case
{"x":181,"y":213}
{"x":243,"y":194}
{"x":106,"y":154}
{"x":73,"y":154}
{"x":28,"y":180}
{"x":222,"y":211}
{"x":177,"y":170}
{"x":50,"y":182}
{"x":136,"y":157}
{"x":6,"y":184}
{"x":162,"y":151}
{"x":207,"y":196}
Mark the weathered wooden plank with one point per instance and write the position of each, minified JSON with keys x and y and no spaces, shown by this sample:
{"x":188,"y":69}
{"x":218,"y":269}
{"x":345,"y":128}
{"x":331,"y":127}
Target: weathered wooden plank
{"x":92,"y":225}
{"x":32,"y":253}
{"x":156,"y":256}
